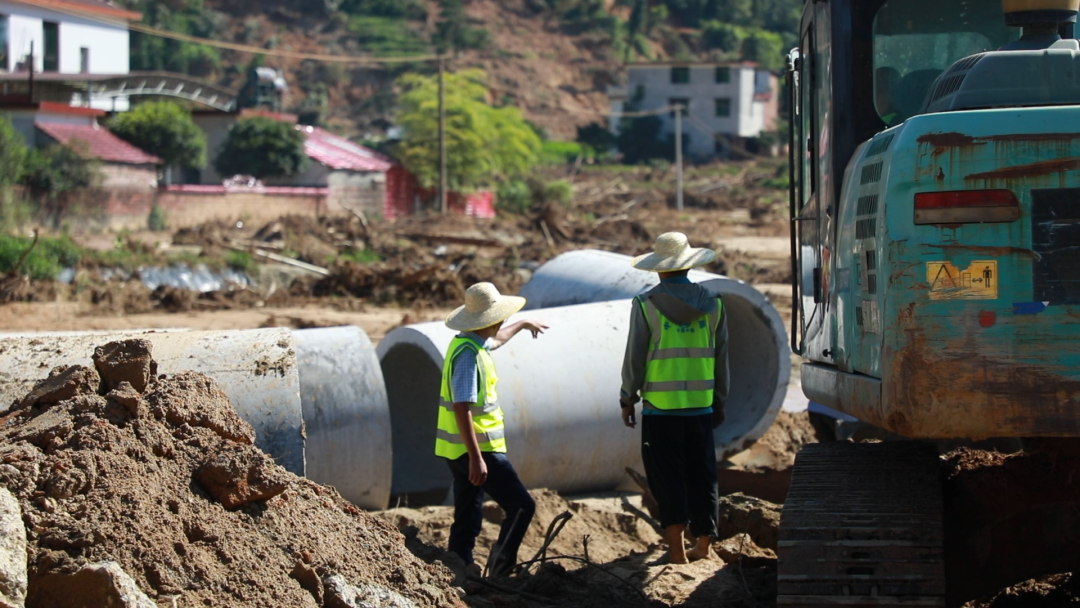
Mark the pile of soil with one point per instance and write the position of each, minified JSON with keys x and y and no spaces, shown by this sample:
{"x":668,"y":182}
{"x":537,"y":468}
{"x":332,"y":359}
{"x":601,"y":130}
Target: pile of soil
{"x":1011,"y":517}
{"x":1043,"y":592}
{"x":159,"y":474}
{"x":764,"y":470}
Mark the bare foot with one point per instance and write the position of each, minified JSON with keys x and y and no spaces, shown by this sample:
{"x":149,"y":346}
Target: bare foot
{"x":677,"y":559}
{"x":697,"y":553}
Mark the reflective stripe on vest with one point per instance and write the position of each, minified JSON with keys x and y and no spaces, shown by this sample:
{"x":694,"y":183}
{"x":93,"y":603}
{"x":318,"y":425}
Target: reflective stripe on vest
{"x":680,"y":365}
{"x":486,"y":414}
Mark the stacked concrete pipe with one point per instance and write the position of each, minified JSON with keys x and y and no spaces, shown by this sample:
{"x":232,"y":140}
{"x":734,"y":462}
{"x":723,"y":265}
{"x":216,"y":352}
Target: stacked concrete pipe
{"x":560,"y":393}
{"x":315,"y":398}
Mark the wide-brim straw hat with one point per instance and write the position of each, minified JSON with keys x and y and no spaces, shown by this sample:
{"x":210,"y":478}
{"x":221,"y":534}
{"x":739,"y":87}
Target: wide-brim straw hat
{"x":484,"y":307}
{"x":673,"y":253}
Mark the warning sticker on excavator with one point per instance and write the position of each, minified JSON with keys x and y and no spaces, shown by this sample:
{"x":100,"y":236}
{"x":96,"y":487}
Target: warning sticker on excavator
{"x":979,"y":281}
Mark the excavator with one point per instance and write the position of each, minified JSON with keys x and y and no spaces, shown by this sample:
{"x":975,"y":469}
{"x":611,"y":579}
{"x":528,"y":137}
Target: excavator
{"x":934,"y":152}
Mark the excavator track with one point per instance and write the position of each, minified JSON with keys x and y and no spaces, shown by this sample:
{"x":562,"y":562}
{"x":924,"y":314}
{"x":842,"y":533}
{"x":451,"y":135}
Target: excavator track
{"x":862,"y":526}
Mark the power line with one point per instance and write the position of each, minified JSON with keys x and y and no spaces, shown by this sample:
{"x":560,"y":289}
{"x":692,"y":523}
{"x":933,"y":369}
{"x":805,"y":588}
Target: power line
{"x":232,"y":46}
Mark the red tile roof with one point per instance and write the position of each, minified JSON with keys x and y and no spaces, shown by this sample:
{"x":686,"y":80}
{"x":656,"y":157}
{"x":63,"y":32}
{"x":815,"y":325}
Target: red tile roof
{"x":53,"y":107}
{"x":341,"y":154}
{"x":97,"y":7}
{"x":100,"y":143}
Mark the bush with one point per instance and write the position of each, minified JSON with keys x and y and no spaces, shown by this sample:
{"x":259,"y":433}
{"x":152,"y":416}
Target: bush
{"x":156,"y":220}
{"x":513,"y":197}
{"x":165,"y":130}
{"x":557,"y":152}
{"x":596,"y":136}
{"x":560,"y":191}
{"x":241,"y":260}
{"x":45,"y":262}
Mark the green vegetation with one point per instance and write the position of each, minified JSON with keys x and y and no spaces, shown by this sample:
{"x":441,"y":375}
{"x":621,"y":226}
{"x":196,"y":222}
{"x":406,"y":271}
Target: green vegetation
{"x":485,"y":145}
{"x":12,"y":159}
{"x":262,"y":147}
{"x":453,"y":31}
{"x":152,"y":53}
{"x":558,"y":152}
{"x":357,"y":256}
{"x":241,"y":260}
{"x":45,"y":262}
{"x":514,"y":196}
{"x":165,"y":130}
{"x":156,"y":220}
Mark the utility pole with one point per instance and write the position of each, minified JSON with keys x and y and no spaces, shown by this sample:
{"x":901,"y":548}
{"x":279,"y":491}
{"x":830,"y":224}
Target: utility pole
{"x":443,"y":206}
{"x":678,"y":158}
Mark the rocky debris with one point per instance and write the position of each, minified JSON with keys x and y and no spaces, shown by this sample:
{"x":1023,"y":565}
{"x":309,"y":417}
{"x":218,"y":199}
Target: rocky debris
{"x":63,"y":383}
{"x":116,"y":478}
{"x":741,"y":549}
{"x":127,"y":361}
{"x":92,"y":586}
{"x":12,"y":552}
{"x":340,"y":594}
{"x":741,"y":514}
{"x":241,"y":476}
{"x":1050,"y":591}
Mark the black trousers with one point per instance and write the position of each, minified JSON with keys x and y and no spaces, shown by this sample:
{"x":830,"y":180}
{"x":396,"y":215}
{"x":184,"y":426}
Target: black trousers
{"x":680,"y":461}
{"x":505,"y":489}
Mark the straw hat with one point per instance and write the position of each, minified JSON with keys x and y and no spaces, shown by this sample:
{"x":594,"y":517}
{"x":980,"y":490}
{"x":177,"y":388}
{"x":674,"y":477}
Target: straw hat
{"x":484,"y":307}
{"x":673,"y":253}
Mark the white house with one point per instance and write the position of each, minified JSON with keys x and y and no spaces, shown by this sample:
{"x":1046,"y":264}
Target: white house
{"x":725,"y":104}
{"x":66,"y":37}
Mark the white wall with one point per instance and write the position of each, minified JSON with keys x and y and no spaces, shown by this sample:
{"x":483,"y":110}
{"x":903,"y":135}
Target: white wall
{"x":108,"y":40}
{"x":744,"y":120}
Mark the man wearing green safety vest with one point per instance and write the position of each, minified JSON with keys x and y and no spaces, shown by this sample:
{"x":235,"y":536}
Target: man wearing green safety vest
{"x":677,"y":360}
{"x":471,"y":436}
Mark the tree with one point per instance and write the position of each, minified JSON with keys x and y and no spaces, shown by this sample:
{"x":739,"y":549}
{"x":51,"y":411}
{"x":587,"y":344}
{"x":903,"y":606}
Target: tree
{"x":453,"y":31}
{"x":56,"y":172}
{"x":261,"y":147}
{"x":766,"y":48}
{"x":484,"y":145}
{"x":165,"y":130}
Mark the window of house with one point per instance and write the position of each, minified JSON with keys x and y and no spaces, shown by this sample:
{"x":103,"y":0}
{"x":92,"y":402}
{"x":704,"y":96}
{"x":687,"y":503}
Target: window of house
{"x":3,"y":43}
{"x":52,"y":47}
{"x":680,"y":101}
{"x":84,"y":60}
{"x":680,"y":75}
{"x":723,"y":106}
{"x":723,"y":75}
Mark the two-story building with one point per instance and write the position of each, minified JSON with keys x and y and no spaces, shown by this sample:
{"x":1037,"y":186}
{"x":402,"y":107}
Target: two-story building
{"x":64,"y":37}
{"x":726,"y":105}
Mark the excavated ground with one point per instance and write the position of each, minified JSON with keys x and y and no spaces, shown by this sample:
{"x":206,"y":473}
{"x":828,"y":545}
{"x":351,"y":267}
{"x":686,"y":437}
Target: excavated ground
{"x":160,"y":475}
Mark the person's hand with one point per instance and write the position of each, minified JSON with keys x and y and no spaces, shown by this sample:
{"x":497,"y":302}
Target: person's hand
{"x":534,"y":328}
{"x":717,"y":416}
{"x":628,"y":416}
{"x":477,"y":471}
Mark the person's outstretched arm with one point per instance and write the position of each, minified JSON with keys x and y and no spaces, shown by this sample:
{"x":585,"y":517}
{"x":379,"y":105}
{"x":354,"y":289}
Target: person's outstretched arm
{"x":509,"y":331}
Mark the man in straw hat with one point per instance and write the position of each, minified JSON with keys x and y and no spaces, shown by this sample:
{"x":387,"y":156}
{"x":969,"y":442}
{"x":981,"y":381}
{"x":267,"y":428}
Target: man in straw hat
{"x":471,"y":435}
{"x":676,"y":358}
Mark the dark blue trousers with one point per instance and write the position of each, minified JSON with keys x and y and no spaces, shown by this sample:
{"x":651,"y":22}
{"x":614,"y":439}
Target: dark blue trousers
{"x":506,"y":490}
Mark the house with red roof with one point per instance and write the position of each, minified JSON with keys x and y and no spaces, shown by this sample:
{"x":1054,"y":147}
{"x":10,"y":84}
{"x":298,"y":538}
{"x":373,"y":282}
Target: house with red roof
{"x":123,"y":166}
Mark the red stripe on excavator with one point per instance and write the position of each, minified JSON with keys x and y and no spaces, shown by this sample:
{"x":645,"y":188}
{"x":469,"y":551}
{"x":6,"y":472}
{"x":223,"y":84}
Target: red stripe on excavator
{"x":966,"y":207}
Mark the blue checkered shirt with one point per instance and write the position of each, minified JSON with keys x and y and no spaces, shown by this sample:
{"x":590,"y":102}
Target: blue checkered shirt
{"x":464,"y":373}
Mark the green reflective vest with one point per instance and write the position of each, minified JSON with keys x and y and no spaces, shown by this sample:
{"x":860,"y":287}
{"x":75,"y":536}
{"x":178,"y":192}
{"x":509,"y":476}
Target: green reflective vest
{"x":487,"y":416}
{"x":680,"y":370}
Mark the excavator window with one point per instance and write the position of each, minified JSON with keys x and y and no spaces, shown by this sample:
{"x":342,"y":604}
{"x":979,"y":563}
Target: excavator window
{"x":916,"y":40}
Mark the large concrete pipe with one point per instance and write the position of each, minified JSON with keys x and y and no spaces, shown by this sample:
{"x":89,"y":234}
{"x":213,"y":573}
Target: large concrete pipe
{"x":343,"y":398}
{"x":314,"y":397}
{"x":590,"y":275}
{"x":760,"y":358}
{"x":560,"y":394}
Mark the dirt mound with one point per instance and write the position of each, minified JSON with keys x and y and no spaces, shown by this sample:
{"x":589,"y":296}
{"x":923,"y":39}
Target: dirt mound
{"x":167,"y":483}
{"x":1011,"y":517}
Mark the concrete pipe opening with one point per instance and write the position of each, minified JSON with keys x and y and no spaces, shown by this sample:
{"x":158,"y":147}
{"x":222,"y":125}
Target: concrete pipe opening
{"x":759,"y":357}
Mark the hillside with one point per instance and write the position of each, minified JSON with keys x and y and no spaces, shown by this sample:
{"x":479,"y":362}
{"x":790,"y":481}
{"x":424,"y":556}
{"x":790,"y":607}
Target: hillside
{"x":552,"y":58}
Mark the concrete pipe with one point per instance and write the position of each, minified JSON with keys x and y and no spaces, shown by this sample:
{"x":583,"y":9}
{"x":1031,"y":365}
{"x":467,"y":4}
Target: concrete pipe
{"x":314,"y":397}
{"x":590,"y":275}
{"x":760,"y":358}
{"x":343,"y":398}
{"x":559,"y":392}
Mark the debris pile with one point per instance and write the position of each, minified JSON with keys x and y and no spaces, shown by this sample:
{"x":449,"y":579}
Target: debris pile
{"x":136,"y":488}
